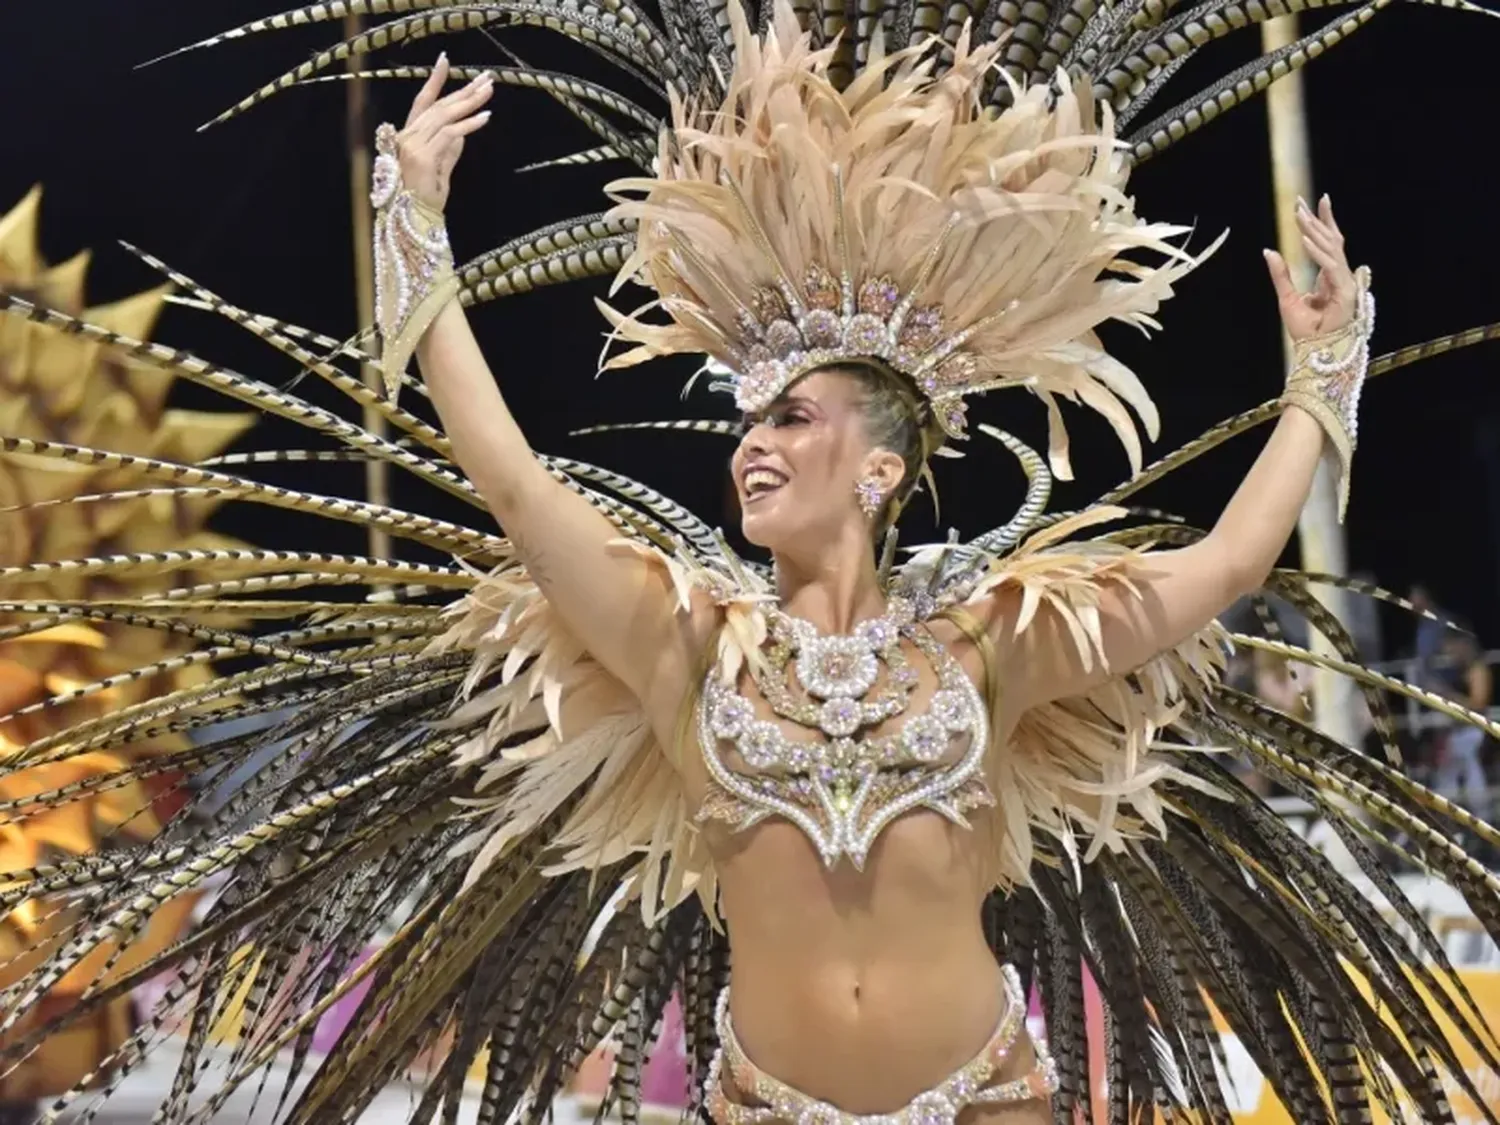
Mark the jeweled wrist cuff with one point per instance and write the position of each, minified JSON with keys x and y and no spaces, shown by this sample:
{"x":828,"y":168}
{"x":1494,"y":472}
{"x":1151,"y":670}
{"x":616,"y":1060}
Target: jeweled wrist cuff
{"x":414,"y":275}
{"x":1328,"y":373}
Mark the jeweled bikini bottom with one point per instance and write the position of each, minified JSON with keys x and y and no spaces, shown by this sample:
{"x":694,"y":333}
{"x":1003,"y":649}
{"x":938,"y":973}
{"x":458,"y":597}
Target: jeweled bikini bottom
{"x":968,"y":1086}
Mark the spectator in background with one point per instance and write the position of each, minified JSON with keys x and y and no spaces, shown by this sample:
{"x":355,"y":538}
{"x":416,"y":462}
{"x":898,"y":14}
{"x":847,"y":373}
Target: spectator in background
{"x":1460,"y":674}
{"x":1430,"y":632}
{"x":1274,"y":682}
{"x":1243,"y":618}
{"x":1278,"y":685}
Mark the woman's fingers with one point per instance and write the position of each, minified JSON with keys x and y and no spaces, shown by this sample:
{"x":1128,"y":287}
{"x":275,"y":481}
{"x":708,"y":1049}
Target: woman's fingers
{"x":430,"y":90}
{"x":1281,"y":276}
{"x":467,"y":125}
{"x":1314,"y":229}
{"x":1319,"y":215}
{"x":457,"y":105}
{"x":1331,"y":262}
{"x":1332,"y":290}
{"x":1325,"y":212}
{"x":480,"y":85}
{"x":1337,"y":279}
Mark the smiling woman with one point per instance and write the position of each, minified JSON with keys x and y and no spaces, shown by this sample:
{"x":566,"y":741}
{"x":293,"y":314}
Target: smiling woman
{"x":835,"y":425}
{"x":908,"y":794}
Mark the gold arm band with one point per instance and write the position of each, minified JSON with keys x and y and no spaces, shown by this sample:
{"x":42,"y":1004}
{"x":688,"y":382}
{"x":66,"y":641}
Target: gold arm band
{"x":1328,"y":373}
{"x":414,"y":276}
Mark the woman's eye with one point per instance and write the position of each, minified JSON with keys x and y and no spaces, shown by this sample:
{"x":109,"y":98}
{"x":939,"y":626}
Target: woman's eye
{"x":774,"y":420}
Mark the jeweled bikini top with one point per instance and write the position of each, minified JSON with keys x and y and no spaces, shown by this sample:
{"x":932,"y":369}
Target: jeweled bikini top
{"x":844,"y":787}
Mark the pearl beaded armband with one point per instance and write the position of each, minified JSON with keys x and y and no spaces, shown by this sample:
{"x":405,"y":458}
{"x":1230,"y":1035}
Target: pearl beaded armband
{"x":414,"y":275}
{"x":1328,"y":373}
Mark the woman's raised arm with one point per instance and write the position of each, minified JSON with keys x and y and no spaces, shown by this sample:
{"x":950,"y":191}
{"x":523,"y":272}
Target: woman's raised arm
{"x":1179,"y":592}
{"x":622,"y":609}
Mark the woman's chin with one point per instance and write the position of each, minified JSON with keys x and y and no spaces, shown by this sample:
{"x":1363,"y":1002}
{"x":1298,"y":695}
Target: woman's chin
{"x":756,"y":533}
{"x":761,"y":528}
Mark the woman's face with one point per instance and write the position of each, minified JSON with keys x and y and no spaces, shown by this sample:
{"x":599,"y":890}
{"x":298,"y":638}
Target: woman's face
{"x":796,"y":467}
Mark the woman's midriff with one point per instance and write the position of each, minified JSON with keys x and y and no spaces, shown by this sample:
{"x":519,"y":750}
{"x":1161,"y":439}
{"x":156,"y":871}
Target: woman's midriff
{"x":865,"y":988}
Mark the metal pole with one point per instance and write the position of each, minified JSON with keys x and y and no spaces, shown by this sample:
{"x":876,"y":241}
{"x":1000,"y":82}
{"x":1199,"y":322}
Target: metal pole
{"x":1319,"y":534}
{"x":377,"y":473}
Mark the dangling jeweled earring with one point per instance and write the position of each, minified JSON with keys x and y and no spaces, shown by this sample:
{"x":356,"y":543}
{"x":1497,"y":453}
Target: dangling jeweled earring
{"x":870,"y":495}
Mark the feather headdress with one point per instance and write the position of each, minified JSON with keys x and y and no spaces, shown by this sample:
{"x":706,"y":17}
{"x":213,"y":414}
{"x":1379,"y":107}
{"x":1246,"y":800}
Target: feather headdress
{"x":796,"y":224}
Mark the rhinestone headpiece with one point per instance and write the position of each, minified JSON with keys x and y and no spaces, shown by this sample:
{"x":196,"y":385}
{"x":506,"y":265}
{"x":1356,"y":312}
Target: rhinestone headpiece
{"x":800,"y":224}
{"x":787,"y":334}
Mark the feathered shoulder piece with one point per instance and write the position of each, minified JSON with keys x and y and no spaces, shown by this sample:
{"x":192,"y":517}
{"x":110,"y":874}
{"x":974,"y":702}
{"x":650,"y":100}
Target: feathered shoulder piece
{"x":552,"y":733}
{"x":794,"y":224}
{"x":1085,"y":770}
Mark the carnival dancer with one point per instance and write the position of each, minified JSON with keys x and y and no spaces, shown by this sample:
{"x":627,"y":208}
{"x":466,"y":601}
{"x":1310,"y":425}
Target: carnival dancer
{"x":904,"y":794}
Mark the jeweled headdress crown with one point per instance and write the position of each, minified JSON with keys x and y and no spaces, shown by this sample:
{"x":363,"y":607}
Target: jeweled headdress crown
{"x":796,"y":225}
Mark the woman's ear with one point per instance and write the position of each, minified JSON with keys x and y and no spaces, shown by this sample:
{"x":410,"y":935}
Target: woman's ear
{"x":885,"y":468}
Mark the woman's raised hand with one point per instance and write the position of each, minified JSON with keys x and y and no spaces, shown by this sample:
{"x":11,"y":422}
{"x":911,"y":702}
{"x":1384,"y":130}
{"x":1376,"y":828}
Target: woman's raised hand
{"x":1331,"y":305}
{"x":429,"y":145}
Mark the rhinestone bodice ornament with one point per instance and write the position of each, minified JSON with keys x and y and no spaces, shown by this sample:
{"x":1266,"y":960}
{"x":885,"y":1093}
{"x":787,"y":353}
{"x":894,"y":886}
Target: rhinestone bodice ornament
{"x":844,"y":784}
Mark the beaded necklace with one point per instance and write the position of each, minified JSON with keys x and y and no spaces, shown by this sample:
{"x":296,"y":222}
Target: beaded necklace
{"x":845,"y":784}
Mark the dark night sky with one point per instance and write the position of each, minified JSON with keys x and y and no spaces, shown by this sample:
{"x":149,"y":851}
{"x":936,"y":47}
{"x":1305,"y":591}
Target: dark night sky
{"x":258,"y":210}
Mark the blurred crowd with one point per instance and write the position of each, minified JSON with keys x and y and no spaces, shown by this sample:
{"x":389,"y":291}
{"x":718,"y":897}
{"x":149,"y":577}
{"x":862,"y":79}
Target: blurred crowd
{"x":1443,"y":657}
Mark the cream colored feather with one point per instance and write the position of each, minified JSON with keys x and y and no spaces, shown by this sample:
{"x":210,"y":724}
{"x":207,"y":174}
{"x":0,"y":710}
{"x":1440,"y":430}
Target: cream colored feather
{"x":1079,"y":767}
{"x":1035,"y":241}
